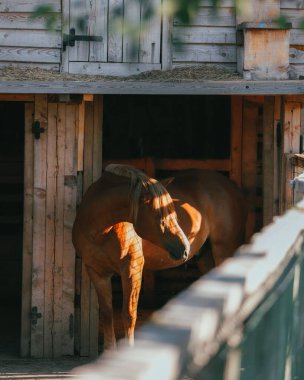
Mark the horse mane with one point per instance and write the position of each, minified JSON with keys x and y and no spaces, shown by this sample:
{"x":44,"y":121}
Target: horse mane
{"x":161,"y":199}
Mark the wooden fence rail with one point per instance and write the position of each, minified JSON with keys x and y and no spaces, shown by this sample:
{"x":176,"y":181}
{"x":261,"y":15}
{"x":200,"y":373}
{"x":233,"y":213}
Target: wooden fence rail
{"x":243,"y":320}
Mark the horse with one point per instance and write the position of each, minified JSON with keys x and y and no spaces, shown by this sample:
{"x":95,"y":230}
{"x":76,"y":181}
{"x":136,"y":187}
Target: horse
{"x":209,"y":207}
{"x":126,"y":194}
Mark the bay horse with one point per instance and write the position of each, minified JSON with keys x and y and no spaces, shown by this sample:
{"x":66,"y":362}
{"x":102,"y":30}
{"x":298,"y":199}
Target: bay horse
{"x":208,"y":206}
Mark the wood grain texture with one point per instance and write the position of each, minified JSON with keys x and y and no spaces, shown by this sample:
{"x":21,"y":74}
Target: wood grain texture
{"x":39,"y":229}
{"x":27,"y":232}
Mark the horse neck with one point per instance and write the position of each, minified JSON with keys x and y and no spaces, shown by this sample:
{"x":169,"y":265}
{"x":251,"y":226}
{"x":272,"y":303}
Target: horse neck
{"x":117,"y":195}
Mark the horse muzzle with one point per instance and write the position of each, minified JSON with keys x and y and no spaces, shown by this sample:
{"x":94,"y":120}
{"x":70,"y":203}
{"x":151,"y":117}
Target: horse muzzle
{"x":178,"y":254}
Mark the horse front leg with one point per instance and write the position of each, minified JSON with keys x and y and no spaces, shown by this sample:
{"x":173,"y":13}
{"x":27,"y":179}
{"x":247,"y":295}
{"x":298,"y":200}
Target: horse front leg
{"x":103,"y":288}
{"x":131,"y":278}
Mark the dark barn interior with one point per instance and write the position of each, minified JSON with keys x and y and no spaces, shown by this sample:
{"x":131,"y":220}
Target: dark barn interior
{"x":11,"y":222}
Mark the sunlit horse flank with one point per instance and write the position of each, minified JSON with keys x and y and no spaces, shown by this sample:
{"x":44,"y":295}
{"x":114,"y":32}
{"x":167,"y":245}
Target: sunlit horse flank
{"x":123,"y":194}
{"x":208,"y":206}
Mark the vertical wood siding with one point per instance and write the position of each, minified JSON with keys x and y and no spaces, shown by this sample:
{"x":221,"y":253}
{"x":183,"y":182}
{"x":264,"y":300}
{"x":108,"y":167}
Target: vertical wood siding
{"x":209,"y":39}
{"x":27,"y":42}
{"x":293,"y":10}
{"x":54,"y":208}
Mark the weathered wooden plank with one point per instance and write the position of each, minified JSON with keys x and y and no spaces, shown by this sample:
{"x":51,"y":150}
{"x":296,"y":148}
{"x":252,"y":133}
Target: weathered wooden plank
{"x":268,"y":159}
{"x":292,"y":127}
{"x":167,"y":28}
{"x":150,"y":34}
{"x":97,"y":137}
{"x":131,"y":31}
{"x":120,"y":69}
{"x":69,"y":209}
{"x":65,"y":30}
{"x":196,"y":87}
{"x":236,"y":139}
{"x":296,"y":55}
{"x":277,"y":153}
{"x":27,"y":5}
{"x":17,"y":97}
{"x":204,"y":35}
{"x":39,"y":228}
{"x":52,"y":67}
{"x":292,"y":4}
{"x":263,"y":64}
{"x":204,"y":53}
{"x":78,"y":10}
{"x":249,"y":161}
{"x":86,"y":305}
{"x":295,"y":16}
{"x":17,"y":54}
{"x":296,"y":70}
{"x":23,"y":21}
{"x":80,"y":138}
{"x":59,"y":306}
{"x":296,"y":36}
{"x":115,"y":27}
{"x":207,"y":17}
{"x":50,"y":230}
{"x":98,"y":13}
{"x":32,"y":38}
{"x":256,"y":11}
{"x":27,"y":232}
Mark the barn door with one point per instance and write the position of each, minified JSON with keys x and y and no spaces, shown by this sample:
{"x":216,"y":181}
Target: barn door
{"x":102,"y":46}
{"x":50,"y":205}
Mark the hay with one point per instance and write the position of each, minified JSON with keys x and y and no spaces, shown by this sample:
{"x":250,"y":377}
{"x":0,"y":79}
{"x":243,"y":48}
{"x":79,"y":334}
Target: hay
{"x":179,"y":74}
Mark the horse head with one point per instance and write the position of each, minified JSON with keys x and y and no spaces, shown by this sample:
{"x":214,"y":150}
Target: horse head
{"x":152,"y":212}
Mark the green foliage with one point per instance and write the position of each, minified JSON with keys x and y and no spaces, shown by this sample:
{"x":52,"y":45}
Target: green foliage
{"x":46,"y":11}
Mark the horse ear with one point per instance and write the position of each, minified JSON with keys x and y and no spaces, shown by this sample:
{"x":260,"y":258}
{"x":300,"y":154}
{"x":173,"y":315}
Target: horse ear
{"x":166,"y":182}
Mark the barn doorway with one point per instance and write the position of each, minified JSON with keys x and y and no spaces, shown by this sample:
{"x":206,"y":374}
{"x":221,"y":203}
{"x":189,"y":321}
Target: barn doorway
{"x":11,"y":223}
{"x":169,"y":128}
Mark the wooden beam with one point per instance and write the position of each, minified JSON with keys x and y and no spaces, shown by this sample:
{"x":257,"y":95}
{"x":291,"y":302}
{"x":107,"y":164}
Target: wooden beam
{"x":203,"y":87}
{"x":17,"y":97}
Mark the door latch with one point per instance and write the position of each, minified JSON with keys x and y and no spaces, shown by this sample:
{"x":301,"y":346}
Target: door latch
{"x":35,"y":315}
{"x":69,"y":39}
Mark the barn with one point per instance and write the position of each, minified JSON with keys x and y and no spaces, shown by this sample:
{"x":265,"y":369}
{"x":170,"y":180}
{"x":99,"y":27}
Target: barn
{"x":193,"y":96}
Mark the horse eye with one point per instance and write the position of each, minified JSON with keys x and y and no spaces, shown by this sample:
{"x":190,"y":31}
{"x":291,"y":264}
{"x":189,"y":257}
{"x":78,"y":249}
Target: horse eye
{"x":162,"y":225}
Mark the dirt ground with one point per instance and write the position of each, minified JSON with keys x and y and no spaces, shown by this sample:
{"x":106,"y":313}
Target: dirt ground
{"x":16,"y":368}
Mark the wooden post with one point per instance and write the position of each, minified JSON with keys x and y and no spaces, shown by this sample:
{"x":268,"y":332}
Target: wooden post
{"x":92,"y":170}
{"x":268,"y":159}
{"x":39,"y":230}
{"x":291,"y":144}
{"x":27,"y":231}
{"x":249,"y":160}
{"x":236,"y":139}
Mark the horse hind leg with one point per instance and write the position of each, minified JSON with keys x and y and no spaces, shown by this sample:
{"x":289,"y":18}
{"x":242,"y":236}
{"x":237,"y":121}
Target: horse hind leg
{"x":103,"y":288}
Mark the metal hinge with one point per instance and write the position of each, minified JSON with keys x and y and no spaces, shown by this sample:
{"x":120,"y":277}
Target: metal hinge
{"x":69,"y":39}
{"x":37,"y":130}
{"x":35,"y":315}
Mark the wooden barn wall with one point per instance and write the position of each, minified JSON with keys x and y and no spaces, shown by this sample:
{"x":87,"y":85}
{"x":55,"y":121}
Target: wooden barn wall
{"x":50,"y":205}
{"x":211,"y":39}
{"x":25,"y":41}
